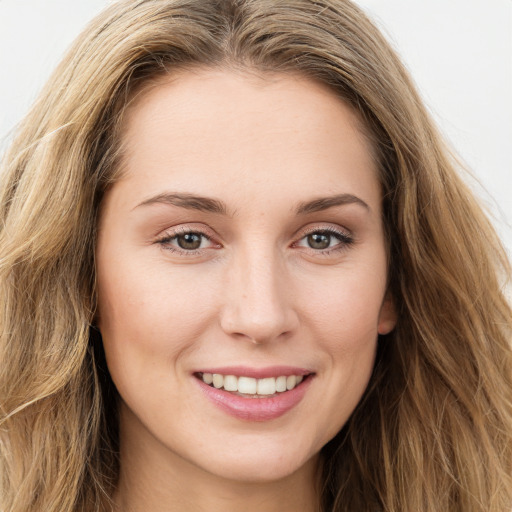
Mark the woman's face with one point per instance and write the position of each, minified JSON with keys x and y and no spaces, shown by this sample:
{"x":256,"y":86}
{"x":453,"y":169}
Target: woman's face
{"x":244,"y":239}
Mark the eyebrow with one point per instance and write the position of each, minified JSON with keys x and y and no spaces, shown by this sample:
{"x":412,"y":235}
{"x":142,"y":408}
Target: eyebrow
{"x":324,"y":203}
{"x":188,"y":201}
{"x":211,"y":205}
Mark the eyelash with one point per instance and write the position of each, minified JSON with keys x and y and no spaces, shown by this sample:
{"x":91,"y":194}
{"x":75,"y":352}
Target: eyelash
{"x":345,"y":241}
{"x":168,"y":238}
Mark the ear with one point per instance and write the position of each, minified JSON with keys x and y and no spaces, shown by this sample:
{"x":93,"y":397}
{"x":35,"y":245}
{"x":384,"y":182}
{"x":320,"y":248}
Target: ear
{"x":387,"y":315}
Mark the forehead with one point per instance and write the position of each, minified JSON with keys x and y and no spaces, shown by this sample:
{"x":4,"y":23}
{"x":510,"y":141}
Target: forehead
{"x":240,"y":95}
{"x":210,"y":130}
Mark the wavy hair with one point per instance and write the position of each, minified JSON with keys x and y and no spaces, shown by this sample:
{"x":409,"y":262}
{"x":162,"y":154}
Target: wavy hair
{"x":433,"y":431}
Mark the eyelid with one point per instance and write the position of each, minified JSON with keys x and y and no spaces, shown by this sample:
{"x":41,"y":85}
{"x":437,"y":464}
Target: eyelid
{"x":326,"y":227}
{"x":344,"y":236}
{"x":329,"y":228}
{"x":183,"y":229}
{"x":169,"y":234}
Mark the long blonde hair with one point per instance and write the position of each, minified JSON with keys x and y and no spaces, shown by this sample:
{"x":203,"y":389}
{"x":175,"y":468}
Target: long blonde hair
{"x":434,"y":429}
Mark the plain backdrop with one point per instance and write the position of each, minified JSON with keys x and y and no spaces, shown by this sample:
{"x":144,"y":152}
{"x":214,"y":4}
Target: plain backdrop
{"x":459,"y":53}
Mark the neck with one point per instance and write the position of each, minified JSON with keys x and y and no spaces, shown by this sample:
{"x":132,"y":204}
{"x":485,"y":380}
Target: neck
{"x":156,"y":479}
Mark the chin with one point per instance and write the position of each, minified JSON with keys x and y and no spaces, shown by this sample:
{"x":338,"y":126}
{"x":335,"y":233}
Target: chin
{"x":261,"y":464}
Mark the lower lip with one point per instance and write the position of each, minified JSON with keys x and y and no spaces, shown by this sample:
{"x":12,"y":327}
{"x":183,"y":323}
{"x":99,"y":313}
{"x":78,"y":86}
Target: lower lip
{"x":255,"y":409}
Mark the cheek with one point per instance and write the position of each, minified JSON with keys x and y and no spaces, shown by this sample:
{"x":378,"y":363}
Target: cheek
{"x":343,"y":318}
{"x":347,"y":332}
{"x":345,"y":307}
{"x":147,"y":314}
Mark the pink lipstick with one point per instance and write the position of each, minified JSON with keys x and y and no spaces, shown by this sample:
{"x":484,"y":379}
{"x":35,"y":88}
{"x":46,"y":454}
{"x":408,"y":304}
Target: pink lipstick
{"x":254,"y":394}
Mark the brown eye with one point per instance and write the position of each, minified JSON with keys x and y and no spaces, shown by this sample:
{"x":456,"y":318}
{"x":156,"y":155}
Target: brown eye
{"x":325,"y":241}
{"x":319,"y":240}
{"x":189,"y":241}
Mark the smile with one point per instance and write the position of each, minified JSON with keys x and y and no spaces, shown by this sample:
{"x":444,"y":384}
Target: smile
{"x":233,"y":390}
{"x":251,"y":387}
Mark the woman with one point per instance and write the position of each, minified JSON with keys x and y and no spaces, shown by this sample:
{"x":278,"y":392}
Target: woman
{"x":240,"y":271}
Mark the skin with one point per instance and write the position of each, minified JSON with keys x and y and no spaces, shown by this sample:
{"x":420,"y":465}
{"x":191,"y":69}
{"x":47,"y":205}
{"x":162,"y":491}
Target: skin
{"x":255,"y":293}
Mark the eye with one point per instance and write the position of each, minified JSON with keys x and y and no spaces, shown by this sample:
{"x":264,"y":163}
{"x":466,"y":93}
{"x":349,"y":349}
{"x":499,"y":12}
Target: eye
{"x":186,"y":242}
{"x":319,"y":240}
{"x":325,"y":240}
{"x":190,"y":241}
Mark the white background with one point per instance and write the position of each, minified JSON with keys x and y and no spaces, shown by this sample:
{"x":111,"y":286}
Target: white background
{"x":458,"y":51}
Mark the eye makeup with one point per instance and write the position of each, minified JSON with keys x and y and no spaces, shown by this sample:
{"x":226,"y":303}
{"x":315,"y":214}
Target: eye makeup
{"x":317,"y":240}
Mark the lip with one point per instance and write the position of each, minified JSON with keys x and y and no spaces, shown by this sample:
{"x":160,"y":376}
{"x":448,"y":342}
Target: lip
{"x":257,"y":373}
{"x":255,"y":409}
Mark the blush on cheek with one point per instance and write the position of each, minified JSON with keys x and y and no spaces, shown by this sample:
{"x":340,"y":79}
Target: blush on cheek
{"x":356,"y":349}
{"x":348,"y":326}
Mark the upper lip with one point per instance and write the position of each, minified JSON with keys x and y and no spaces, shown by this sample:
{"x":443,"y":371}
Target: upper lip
{"x":256,"y":373}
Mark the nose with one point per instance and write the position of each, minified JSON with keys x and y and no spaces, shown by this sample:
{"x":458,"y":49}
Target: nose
{"x":258,"y":300}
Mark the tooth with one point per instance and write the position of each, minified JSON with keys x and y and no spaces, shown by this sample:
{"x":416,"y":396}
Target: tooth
{"x":267,"y":386}
{"x":247,"y":385}
{"x":230,"y":383}
{"x":250,"y":386}
{"x":218,"y":380}
{"x":281,"y":384}
{"x":291,"y":381}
